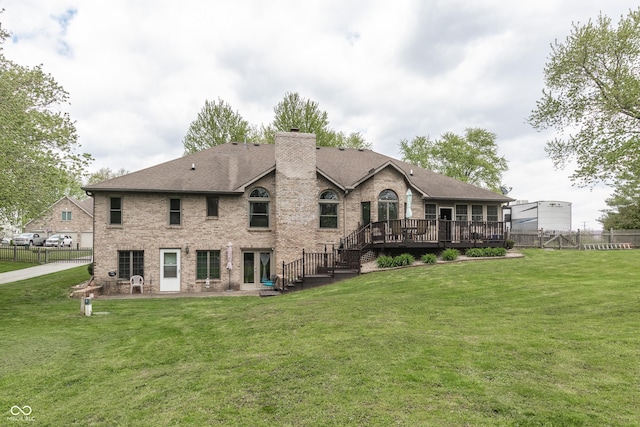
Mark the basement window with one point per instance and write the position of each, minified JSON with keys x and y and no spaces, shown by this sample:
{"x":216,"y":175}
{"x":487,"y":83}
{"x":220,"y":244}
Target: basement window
{"x":207,"y":265}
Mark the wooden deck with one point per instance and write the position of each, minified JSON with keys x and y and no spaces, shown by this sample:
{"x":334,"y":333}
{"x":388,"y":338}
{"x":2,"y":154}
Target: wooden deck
{"x":428,"y":234}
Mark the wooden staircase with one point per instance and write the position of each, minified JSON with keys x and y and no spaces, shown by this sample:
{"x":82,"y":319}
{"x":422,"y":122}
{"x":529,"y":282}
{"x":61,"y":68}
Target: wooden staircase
{"x":320,"y":268}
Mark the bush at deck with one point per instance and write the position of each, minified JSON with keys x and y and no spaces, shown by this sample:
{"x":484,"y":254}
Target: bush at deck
{"x":398,"y":261}
{"x":450,"y":254}
{"x":429,"y":258}
{"x":485,"y":252}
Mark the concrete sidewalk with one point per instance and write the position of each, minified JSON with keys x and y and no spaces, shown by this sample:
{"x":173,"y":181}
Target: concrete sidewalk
{"x":39,"y":270}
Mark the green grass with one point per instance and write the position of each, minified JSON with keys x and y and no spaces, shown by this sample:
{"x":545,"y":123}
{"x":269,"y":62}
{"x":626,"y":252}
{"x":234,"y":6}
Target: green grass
{"x":550,"y":339}
{"x":11,"y":266}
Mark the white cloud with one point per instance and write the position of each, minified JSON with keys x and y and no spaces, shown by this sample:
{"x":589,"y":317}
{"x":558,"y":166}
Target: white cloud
{"x":139,"y":72}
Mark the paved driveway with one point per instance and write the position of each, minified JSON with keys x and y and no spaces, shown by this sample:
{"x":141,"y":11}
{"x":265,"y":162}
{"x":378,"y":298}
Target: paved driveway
{"x":39,"y":270}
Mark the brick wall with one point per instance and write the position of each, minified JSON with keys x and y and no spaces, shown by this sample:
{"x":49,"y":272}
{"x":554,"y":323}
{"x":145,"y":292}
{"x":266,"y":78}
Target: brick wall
{"x":296,"y":211}
{"x":145,"y":226}
{"x":294,"y":191}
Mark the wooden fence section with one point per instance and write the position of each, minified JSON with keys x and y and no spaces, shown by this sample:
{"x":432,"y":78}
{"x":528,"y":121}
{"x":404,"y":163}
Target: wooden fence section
{"x":44,"y":255}
{"x":575,"y":239}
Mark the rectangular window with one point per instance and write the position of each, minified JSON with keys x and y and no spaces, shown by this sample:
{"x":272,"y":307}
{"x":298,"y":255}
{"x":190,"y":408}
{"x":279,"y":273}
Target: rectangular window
{"x":170,"y":265}
{"x":476,"y":213}
{"x":328,"y":215}
{"x":115,"y":210}
{"x":66,"y":215}
{"x":492,"y":213}
{"x":462,"y":213}
{"x":430,"y":211}
{"x":212,"y":205}
{"x":130,"y":263}
{"x":259,"y":214}
{"x":174,"y":211}
{"x":207,"y":265}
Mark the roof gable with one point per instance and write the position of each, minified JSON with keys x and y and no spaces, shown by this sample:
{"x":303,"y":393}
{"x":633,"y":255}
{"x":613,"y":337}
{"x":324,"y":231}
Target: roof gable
{"x":85,"y":205}
{"x":230,"y":168}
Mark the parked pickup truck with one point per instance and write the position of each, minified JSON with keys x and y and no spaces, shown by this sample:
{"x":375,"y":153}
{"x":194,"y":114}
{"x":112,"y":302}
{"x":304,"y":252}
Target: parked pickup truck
{"x":29,"y":239}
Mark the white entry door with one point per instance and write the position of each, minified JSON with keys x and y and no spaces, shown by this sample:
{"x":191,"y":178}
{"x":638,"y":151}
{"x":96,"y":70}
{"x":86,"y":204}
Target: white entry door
{"x":169,"y":270}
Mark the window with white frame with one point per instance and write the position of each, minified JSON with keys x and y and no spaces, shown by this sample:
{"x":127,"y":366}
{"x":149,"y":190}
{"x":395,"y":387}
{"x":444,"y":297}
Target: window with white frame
{"x":430,"y":211}
{"x":328,"y":209}
{"x":66,"y":215}
{"x":387,"y":205}
{"x":492,"y":213}
{"x":476,"y":213}
{"x":462,"y":213}
{"x":259,"y":208}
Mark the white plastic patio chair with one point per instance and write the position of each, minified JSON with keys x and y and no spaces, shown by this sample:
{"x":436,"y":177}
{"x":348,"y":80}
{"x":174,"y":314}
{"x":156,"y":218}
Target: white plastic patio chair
{"x":137,"y":281}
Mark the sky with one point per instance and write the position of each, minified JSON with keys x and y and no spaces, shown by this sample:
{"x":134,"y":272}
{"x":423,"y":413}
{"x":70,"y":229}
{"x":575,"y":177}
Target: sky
{"x":138,"y":72}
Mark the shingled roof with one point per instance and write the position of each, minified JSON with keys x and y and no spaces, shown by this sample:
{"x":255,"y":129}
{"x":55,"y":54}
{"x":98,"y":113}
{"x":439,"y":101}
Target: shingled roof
{"x":230,"y":168}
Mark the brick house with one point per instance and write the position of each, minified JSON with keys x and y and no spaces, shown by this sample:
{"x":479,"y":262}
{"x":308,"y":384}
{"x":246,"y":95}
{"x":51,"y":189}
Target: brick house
{"x":176,"y":223}
{"x":67,"y":216}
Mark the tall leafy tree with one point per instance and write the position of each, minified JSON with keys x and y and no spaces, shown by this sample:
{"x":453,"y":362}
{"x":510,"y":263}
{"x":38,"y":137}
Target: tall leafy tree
{"x":104,"y":174}
{"x":624,"y":206}
{"x":592,"y":100}
{"x":471,"y":158}
{"x":352,"y":140}
{"x":217,"y":123}
{"x":38,"y":141}
{"x":304,"y":114}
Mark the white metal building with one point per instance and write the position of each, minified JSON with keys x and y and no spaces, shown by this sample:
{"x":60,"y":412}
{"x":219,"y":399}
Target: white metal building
{"x":547,"y":215}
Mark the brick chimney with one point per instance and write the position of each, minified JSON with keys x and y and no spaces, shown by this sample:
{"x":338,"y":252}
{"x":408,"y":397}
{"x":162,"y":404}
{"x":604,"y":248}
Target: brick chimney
{"x":296,"y":213}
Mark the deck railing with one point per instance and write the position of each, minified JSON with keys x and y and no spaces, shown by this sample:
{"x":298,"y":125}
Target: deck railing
{"x":319,"y":263}
{"x":424,"y":231}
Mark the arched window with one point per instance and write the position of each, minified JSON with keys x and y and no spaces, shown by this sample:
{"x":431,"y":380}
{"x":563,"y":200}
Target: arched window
{"x":387,"y":205}
{"x":328,"y":209}
{"x":259,"y":208}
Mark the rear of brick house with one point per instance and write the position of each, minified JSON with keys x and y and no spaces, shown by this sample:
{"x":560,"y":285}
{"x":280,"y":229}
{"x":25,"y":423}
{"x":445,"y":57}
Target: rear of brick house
{"x":176,"y":223}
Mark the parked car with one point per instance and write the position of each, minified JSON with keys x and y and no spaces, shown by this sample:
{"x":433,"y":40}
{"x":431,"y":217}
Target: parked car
{"x":59,"y":240}
{"x":29,"y":239}
{"x":6,"y":241}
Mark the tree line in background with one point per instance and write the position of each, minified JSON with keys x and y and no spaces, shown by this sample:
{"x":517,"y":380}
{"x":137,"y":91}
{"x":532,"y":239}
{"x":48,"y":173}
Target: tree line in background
{"x":217,"y":123}
{"x":40,"y":161}
{"x":591,"y":99}
{"x":470,"y":158}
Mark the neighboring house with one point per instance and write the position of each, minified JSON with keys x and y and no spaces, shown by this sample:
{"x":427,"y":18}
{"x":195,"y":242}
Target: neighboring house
{"x":67,"y":216}
{"x":175,"y":223}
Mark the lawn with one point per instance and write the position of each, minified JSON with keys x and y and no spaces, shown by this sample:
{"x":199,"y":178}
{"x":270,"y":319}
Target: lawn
{"x":549,"y":339}
{"x":11,"y":266}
